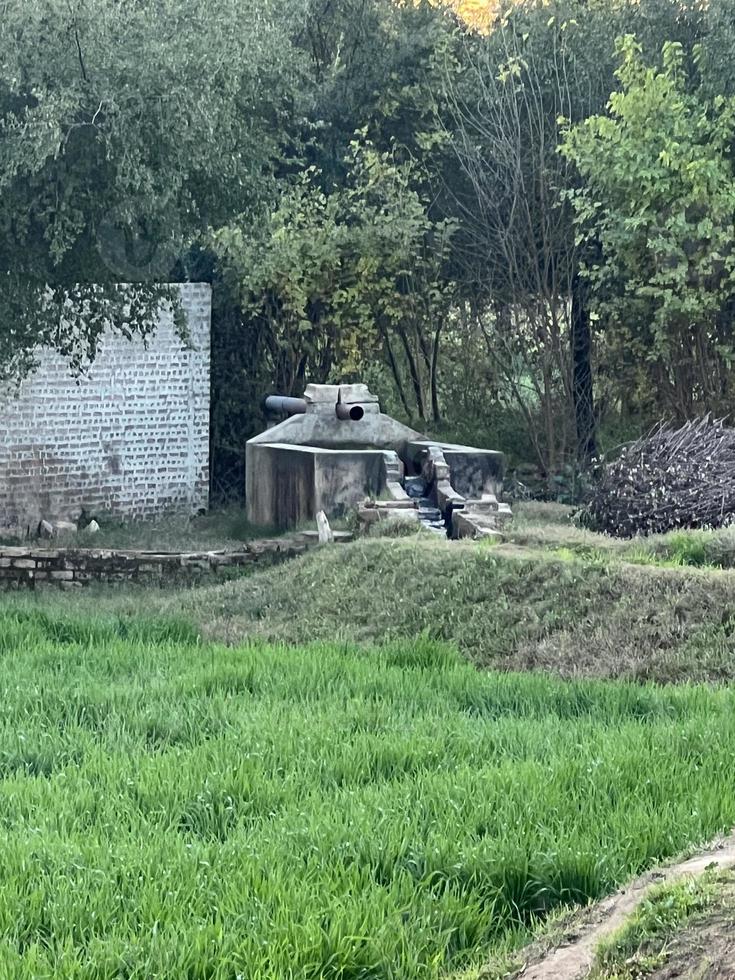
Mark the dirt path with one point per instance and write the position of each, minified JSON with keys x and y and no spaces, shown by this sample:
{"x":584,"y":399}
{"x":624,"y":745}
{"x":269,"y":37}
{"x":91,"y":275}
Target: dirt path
{"x":574,"y":961}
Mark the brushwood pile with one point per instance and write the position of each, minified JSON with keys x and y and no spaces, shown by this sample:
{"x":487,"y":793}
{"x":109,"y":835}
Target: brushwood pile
{"x":672,"y":478}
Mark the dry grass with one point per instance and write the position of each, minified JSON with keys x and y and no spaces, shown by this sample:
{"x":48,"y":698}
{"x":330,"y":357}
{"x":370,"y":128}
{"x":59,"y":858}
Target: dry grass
{"x":555,"y":599}
{"x":552,"y":526}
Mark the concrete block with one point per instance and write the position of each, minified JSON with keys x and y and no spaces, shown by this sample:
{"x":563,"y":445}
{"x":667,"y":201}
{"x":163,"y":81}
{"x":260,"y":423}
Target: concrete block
{"x":405,"y":503}
{"x":45,"y":529}
{"x":322,"y":394}
{"x":65,"y":527}
{"x":396,"y":491}
{"x":324,"y":531}
{"x":357,"y":394}
{"x":447,"y":496}
{"x":467,"y":525}
{"x":487,"y":505}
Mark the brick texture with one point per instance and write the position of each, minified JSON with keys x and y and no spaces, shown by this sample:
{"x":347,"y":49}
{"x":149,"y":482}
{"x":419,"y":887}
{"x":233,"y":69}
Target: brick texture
{"x":128,"y":439}
{"x":70,"y":568}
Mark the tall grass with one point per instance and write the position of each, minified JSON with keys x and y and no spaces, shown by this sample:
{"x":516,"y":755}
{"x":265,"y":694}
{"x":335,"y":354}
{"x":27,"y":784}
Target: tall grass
{"x":175,"y":810}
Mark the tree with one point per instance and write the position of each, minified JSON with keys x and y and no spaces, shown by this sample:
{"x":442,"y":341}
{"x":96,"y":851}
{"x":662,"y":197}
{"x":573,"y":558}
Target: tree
{"x":405,"y":288}
{"x":328,"y":282}
{"x":657,"y":203}
{"x":519,"y":252}
{"x":285,"y":268}
{"x":374,"y":65}
{"x":716,"y":41}
{"x":517,"y":258}
{"x":126,"y":127}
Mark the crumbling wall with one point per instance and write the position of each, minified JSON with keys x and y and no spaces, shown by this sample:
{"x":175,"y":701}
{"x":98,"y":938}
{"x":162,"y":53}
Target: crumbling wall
{"x":70,"y":568}
{"x":128,"y":439}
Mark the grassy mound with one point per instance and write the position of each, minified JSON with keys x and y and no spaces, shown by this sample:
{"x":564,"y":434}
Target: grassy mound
{"x":680,"y":930}
{"x":555,"y":598}
{"x":570,"y":612}
{"x":178,"y":810}
{"x":550,"y":527}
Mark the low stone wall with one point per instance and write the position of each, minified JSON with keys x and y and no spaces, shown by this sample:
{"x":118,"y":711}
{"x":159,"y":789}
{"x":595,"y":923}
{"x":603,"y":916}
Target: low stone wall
{"x":69,"y":568}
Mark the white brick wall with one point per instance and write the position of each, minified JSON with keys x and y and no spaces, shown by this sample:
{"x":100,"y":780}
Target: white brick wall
{"x":128,"y":439}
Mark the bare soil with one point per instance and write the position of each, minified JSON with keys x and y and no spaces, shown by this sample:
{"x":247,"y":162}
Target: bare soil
{"x":708,"y":946}
{"x":705,"y":950}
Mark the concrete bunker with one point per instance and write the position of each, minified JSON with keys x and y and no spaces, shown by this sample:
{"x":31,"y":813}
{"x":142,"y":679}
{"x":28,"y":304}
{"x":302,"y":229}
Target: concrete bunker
{"x":337,"y":452}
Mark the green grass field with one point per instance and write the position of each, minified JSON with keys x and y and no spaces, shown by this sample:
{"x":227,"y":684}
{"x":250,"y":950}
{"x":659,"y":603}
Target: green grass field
{"x":174,"y":809}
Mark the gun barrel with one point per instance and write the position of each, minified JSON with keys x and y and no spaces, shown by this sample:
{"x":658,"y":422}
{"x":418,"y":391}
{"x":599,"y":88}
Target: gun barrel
{"x":284,"y":405}
{"x":349,"y":413}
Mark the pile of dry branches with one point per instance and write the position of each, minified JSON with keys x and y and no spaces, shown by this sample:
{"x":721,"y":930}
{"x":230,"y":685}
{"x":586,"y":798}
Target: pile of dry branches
{"x":672,"y":478}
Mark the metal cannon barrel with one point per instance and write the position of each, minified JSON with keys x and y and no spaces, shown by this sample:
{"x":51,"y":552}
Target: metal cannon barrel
{"x":285,"y":405}
{"x":349,"y":413}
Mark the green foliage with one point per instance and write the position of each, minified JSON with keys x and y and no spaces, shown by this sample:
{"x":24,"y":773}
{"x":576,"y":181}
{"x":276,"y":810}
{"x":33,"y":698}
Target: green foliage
{"x":586,"y":553}
{"x":382,"y":188}
{"x":657,"y":201}
{"x":285,"y":271}
{"x":688,"y":548}
{"x":716,"y":37}
{"x":699,"y":549}
{"x":121,"y":137}
{"x":173,"y":809}
{"x":328,"y":280}
{"x":378,"y":66}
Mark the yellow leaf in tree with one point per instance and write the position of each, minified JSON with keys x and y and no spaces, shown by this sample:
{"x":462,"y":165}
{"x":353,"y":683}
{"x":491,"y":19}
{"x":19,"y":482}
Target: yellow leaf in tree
{"x":479,"y":14}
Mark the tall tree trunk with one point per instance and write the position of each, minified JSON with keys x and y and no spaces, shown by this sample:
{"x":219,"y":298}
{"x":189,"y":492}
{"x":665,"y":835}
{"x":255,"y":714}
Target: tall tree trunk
{"x":414,"y":372}
{"x":434,"y":375}
{"x":396,"y":373}
{"x":582,"y":388}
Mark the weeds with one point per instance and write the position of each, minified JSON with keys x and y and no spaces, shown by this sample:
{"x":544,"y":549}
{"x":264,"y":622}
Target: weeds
{"x":640,"y":946}
{"x":571,"y":614}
